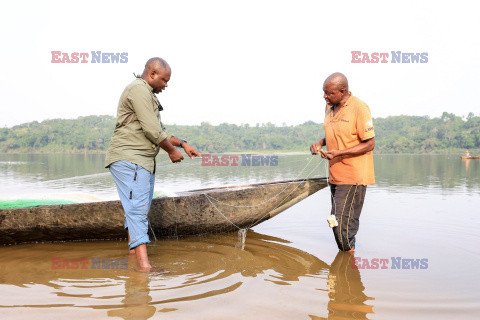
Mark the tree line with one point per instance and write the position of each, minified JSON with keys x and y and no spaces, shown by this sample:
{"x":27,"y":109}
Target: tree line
{"x":394,"y":134}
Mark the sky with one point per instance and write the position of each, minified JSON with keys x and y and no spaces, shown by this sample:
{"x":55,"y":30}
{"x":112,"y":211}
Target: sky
{"x":239,"y":61}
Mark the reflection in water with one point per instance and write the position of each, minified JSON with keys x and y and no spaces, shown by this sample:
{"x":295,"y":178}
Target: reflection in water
{"x":467,"y":162}
{"x":209,"y":269}
{"x":137,"y":298}
{"x":345,"y":290}
{"x":434,"y":171}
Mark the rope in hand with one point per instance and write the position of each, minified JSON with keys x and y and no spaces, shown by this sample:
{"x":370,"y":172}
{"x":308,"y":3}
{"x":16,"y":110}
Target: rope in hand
{"x":278,"y":205}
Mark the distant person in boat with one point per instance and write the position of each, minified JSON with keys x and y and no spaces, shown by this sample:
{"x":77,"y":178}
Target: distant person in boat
{"x":467,"y":153}
{"x":350,"y":139}
{"x":139,"y":134}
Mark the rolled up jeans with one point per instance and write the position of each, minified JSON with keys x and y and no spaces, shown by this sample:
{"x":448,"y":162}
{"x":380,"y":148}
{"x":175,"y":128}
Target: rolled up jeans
{"x":135,"y":188}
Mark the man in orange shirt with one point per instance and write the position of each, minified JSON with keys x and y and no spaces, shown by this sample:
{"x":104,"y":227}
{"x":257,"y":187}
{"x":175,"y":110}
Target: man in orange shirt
{"x":350,"y":139}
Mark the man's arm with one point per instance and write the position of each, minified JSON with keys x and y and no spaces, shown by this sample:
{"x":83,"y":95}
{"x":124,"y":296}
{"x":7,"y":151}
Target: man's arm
{"x":173,"y":153}
{"x":316,"y":147}
{"x":189,"y":150}
{"x":361,"y":148}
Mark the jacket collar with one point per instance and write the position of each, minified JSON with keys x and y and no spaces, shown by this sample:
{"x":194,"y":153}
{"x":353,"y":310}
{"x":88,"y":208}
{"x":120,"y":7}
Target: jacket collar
{"x":145,"y":82}
{"x":160,"y":108}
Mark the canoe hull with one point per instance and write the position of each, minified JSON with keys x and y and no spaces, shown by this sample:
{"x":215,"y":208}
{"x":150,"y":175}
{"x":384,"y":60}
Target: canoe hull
{"x":194,"y":212}
{"x":470,"y":157}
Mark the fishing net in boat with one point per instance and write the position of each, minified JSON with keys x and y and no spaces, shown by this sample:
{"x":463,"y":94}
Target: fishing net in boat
{"x":225,"y":211}
{"x":31,"y":203}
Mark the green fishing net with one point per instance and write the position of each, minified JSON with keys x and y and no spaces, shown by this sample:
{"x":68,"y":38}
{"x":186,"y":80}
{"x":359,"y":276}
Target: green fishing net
{"x":29,"y":203}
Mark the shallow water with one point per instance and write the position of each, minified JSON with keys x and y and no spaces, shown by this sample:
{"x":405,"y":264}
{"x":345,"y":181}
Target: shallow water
{"x":422,"y":207}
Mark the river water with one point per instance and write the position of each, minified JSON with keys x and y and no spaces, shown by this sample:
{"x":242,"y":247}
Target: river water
{"x":423,"y":207}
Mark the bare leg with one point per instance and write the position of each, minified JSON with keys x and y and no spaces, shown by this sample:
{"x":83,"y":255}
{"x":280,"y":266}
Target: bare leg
{"x":132,"y":251}
{"x":142,"y":258}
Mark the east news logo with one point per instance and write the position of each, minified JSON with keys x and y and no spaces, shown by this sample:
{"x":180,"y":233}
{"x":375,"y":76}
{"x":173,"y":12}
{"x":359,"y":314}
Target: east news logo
{"x":234,"y":160}
{"x":392,"y":57}
{"x":393,"y":263}
{"x":92,"y":57}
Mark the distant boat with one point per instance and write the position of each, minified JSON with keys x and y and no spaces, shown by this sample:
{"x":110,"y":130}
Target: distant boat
{"x":194,"y":212}
{"x":470,"y":157}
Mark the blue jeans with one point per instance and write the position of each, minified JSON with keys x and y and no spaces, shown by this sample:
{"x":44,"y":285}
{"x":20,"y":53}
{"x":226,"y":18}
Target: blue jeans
{"x":135,"y":188}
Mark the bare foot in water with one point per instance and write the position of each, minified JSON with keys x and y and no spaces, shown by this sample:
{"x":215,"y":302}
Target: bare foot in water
{"x":143,"y":265}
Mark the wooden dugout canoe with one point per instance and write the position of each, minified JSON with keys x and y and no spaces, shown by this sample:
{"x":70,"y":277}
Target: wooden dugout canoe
{"x":470,"y":157}
{"x":194,"y":212}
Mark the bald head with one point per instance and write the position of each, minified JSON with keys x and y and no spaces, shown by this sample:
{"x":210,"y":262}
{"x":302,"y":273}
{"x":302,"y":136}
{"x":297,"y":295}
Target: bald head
{"x":338,"y":80}
{"x":156,"y":64}
{"x":335,"y":89}
{"x":157,"y":73}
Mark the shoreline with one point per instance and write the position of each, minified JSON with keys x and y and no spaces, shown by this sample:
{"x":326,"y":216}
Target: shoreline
{"x":276,"y":152}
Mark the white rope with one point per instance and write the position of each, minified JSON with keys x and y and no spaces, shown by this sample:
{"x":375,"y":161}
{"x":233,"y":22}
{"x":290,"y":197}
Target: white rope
{"x":256,"y":205}
{"x":175,"y":215}
{"x":304,"y":180}
{"x":256,"y":221}
{"x":222,"y":213}
{"x":168,"y":163}
{"x":334,"y":204}
{"x":150,"y":225}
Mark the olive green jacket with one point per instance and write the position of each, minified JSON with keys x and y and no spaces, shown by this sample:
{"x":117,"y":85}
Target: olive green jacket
{"x":138,"y":130}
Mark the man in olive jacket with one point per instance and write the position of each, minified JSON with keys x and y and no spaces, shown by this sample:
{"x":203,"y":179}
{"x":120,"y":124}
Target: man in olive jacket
{"x":139,"y":134}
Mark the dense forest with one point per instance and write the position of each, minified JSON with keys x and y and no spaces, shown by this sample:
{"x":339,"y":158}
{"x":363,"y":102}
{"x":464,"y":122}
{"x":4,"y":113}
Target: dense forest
{"x":395,"y":134}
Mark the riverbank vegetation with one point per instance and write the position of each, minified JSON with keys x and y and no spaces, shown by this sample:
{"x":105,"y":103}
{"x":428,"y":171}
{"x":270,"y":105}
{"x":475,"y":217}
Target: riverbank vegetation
{"x":396,"y":134}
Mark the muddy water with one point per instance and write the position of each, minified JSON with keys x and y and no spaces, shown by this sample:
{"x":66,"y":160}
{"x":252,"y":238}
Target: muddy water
{"x":423,"y":209}
{"x":209,"y":277}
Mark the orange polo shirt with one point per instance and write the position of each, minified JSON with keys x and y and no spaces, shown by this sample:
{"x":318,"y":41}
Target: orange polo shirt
{"x":351,"y":125}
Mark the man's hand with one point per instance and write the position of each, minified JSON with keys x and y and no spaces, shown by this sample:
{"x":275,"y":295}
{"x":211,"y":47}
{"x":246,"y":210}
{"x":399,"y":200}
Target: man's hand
{"x":315,"y":148}
{"x":190,"y":151}
{"x":361,"y":148}
{"x":175,"y":155}
{"x":330,"y":154}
